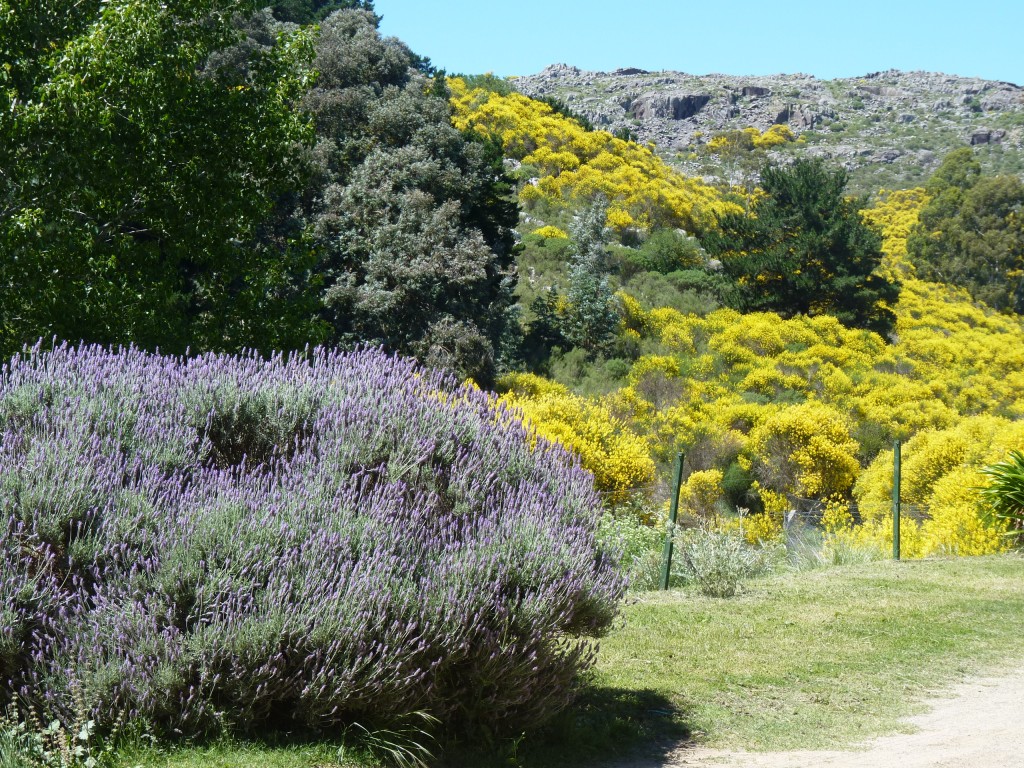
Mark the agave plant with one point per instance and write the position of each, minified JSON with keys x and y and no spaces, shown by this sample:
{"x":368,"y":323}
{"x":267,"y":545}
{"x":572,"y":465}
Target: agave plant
{"x":1004,"y":493}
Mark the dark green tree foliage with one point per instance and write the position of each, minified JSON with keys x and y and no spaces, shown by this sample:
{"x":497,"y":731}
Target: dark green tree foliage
{"x":546,"y":331}
{"x":137,"y":173}
{"x":314,"y":11}
{"x":310,"y":11}
{"x":668,"y":250}
{"x":805,"y":251}
{"x":591,"y":321}
{"x":159,"y":186}
{"x":971,"y":233}
{"x":489,"y":82}
{"x":411,"y":220}
{"x":958,"y":172}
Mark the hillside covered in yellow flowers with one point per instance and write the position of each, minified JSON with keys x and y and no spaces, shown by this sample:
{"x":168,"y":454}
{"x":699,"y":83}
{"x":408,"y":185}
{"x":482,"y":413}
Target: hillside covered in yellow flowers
{"x":775,"y":413}
{"x":567,"y":165}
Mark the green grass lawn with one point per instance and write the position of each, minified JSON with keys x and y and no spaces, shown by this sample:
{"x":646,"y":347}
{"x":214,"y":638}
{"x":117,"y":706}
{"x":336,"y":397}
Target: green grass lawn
{"x":800,"y":660}
{"x":820,"y":658}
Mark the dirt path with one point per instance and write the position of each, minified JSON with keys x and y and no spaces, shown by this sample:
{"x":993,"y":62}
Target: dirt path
{"x":978,"y":724}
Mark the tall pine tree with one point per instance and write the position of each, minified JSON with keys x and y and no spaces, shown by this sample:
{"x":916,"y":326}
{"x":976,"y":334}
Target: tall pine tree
{"x":805,"y":251}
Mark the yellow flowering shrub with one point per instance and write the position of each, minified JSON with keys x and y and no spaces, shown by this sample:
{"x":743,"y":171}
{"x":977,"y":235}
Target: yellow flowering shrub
{"x":529,"y":385}
{"x":958,"y":525}
{"x":799,"y":404}
{"x":748,"y":139}
{"x":679,"y":333}
{"x":686,"y":428}
{"x":939,"y":475}
{"x":723,"y":144}
{"x":773,"y":137}
{"x":665,"y":365}
{"x":619,"y":219}
{"x":762,"y":528}
{"x":662,"y":317}
{"x":618,"y":459}
{"x":893,"y":216}
{"x":951,"y":342}
{"x":771,"y":382}
{"x":551,"y":232}
{"x":836,"y":518}
{"x":767,"y":526}
{"x":841,"y":537}
{"x":739,"y":376}
{"x":805,"y":450}
{"x":700,"y":493}
{"x":875,"y":536}
{"x":631,"y":315}
{"x":900,"y":405}
{"x":832,"y":384}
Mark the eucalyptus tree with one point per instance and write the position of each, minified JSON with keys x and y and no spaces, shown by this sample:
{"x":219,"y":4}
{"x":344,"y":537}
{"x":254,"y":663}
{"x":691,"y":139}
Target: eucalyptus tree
{"x":591,"y":319}
{"x":971,"y":232}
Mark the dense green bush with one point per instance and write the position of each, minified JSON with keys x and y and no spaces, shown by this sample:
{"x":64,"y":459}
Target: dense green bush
{"x":664,"y":251}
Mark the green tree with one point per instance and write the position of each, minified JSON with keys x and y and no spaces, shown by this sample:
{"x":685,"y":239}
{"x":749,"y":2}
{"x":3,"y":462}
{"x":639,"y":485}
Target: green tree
{"x":309,"y":11}
{"x":805,"y":250}
{"x":144,"y":144}
{"x":411,"y":220}
{"x":169,"y":176}
{"x":971,"y":233}
{"x":591,"y":320}
{"x":959,"y":171}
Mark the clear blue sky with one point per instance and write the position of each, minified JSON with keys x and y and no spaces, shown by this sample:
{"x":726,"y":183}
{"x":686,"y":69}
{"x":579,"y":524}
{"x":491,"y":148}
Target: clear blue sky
{"x":827,"y":38}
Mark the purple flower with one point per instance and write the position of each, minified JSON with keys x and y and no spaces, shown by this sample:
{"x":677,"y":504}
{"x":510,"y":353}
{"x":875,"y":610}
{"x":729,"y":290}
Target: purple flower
{"x":307,"y":540}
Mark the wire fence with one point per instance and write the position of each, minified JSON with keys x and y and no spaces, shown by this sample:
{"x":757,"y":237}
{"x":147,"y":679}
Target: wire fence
{"x":806,"y":514}
{"x":812,"y":511}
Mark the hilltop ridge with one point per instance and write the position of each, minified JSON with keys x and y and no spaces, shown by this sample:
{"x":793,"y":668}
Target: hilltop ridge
{"x":887,"y":128}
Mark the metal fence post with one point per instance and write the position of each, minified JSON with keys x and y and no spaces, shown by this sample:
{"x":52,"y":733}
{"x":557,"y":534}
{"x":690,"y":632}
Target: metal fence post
{"x":896,"y":500}
{"x":666,"y":555}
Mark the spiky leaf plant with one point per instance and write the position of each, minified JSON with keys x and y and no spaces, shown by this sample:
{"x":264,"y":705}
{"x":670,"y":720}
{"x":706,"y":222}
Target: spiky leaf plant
{"x":1004,"y":493}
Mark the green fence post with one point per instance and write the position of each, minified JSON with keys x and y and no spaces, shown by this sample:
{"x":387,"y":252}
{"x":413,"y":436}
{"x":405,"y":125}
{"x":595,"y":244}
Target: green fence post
{"x":896,"y":500}
{"x":673,"y":512}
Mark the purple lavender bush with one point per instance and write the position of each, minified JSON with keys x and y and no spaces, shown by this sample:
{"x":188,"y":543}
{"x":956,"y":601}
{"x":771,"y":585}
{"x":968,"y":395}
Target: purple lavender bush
{"x":313,"y":541}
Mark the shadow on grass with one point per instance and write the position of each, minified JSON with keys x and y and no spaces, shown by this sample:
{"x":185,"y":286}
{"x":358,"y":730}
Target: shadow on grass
{"x":604,"y":725}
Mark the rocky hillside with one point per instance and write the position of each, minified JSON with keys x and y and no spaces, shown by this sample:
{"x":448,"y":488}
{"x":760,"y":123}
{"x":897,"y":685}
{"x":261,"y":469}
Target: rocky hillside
{"x":887,"y":128}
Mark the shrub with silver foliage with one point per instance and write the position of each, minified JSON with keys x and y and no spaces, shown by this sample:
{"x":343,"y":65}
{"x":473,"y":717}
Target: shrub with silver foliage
{"x":718,"y":562}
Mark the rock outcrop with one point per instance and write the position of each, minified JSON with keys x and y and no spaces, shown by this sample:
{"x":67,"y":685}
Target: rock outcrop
{"x":669,"y":106}
{"x":887,"y":127}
